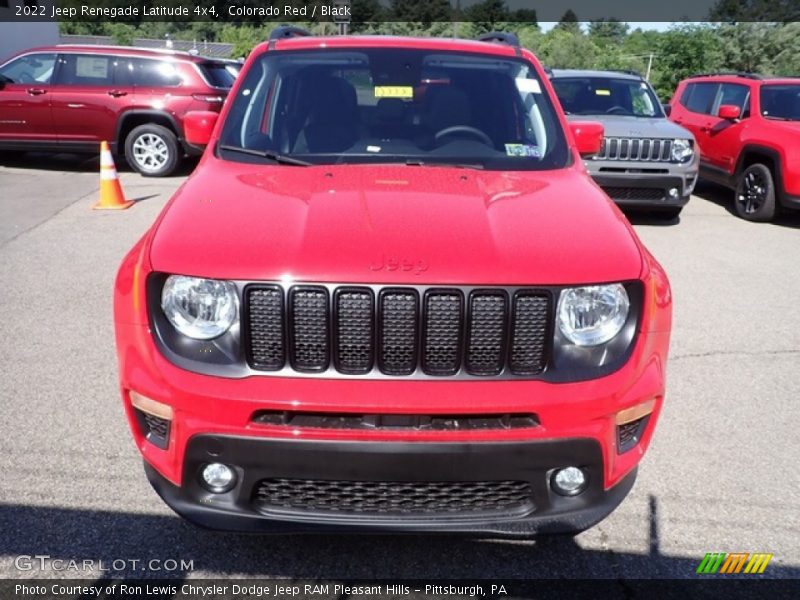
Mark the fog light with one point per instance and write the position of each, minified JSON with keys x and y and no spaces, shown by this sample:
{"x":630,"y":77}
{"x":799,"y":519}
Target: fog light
{"x":218,"y":478}
{"x":569,"y":481}
{"x":673,"y":193}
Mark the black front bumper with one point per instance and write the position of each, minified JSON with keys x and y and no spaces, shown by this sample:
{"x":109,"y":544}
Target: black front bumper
{"x":645,"y":190}
{"x":258,"y":459}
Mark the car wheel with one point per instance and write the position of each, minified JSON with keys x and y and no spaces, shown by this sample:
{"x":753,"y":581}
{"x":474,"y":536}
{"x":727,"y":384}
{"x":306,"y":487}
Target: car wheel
{"x":152,"y":150}
{"x":755,"y":194}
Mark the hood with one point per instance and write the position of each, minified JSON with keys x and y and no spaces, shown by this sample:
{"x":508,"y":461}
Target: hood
{"x":636,"y":127}
{"x":393,"y":224}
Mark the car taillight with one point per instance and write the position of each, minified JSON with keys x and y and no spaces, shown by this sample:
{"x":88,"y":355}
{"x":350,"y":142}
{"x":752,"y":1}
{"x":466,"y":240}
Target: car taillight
{"x":211,"y":98}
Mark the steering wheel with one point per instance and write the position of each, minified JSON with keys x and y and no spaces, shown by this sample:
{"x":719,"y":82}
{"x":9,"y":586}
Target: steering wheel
{"x":457,"y":129}
{"x":616,"y":110}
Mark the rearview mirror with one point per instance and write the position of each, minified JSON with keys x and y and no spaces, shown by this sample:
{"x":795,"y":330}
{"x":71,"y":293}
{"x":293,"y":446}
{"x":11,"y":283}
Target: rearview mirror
{"x":588,"y":137}
{"x":729,"y":112}
{"x":198,"y":125}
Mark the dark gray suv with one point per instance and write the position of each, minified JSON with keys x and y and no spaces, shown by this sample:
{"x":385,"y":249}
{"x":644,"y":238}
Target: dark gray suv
{"x":646,"y":161}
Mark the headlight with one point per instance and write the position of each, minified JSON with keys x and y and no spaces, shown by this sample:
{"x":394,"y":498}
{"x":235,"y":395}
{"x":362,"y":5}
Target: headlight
{"x":201,"y":309}
{"x":592,"y":315}
{"x":682,"y":150}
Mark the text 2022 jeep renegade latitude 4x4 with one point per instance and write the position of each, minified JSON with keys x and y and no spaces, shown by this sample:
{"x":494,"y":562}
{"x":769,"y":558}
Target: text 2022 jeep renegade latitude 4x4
{"x":391,"y":298}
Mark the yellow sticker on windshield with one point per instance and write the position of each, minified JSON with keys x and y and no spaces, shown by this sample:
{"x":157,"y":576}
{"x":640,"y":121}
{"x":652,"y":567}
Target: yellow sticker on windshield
{"x":394,"y":91}
{"x":602,"y":92}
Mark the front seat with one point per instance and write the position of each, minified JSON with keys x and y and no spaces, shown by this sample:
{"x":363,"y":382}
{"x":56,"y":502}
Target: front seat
{"x":333,"y":122}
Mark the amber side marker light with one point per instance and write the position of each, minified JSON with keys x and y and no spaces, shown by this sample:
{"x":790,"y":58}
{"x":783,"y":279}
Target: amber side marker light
{"x":631,"y":424}
{"x":155,"y":419}
{"x":150,"y":406}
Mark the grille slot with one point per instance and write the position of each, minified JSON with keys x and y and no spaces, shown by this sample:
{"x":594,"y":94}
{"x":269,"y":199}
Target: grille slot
{"x":382,"y":498}
{"x":266,"y":326}
{"x":487,"y":331}
{"x":309,"y":322}
{"x":436,"y":422}
{"x":399,"y":315}
{"x":397,"y":331}
{"x":444,"y":315}
{"x":636,"y":149}
{"x":354,"y":330}
{"x":529,"y":336}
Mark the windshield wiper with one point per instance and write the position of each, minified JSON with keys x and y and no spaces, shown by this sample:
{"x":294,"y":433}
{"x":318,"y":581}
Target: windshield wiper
{"x":412,"y":162}
{"x":777,"y":118}
{"x":268,"y":154}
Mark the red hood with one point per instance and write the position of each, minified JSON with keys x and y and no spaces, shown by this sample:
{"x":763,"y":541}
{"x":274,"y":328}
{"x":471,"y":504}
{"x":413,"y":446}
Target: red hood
{"x":394,"y":224}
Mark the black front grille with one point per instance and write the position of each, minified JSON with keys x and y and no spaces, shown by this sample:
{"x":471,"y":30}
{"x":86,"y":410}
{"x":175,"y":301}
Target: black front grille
{"x":392,"y":498}
{"x":634,"y":193}
{"x":444,"y":322}
{"x":487,"y":332}
{"x":360,"y":330}
{"x":399,"y":325}
{"x":354,"y":330}
{"x":308,"y":325}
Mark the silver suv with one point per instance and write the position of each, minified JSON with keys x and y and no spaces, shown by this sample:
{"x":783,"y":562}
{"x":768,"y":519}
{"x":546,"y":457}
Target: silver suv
{"x":646,"y":161}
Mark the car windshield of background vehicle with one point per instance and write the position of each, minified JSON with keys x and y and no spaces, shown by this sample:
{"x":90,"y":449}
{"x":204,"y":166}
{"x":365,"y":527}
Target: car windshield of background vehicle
{"x":781,"y":102}
{"x":33,"y":68}
{"x":406,"y":106}
{"x":607,"y":96}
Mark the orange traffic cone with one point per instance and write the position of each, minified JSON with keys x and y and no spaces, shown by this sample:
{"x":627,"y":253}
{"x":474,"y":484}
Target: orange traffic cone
{"x":111,"y":196}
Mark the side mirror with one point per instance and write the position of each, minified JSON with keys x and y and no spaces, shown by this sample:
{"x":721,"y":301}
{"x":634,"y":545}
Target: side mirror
{"x":588,"y":137}
{"x":198,"y":125}
{"x":667,"y":109}
{"x":729,"y":112}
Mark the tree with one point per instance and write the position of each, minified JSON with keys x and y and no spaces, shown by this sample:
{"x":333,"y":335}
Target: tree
{"x":608,"y":31}
{"x":363,"y":12}
{"x":683,"y":51}
{"x":487,"y":14}
{"x":748,"y":46}
{"x":561,"y":49}
{"x":421,"y":11}
{"x":569,"y":22}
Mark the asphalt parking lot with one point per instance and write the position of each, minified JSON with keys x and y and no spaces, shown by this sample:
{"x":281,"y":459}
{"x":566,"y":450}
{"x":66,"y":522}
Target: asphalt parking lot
{"x":721,"y":474}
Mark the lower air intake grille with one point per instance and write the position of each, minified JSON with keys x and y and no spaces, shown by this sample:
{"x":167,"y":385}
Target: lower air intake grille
{"x":392,"y":498}
{"x":634,"y":193}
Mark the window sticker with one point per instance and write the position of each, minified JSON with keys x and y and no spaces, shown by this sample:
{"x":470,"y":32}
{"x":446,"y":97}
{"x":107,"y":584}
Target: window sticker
{"x":602,"y":92}
{"x":95,"y":67}
{"x":524,"y":150}
{"x":394,"y":91}
{"x":530,"y":86}
{"x":373,"y":148}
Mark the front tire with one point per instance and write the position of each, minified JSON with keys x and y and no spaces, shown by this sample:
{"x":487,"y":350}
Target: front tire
{"x":755,"y":194}
{"x":152,"y":150}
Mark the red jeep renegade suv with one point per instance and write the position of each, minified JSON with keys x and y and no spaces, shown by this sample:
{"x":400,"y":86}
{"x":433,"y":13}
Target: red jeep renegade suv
{"x":391,"y":298}
{"x":748,"y":130}
{"x":70,"y":98}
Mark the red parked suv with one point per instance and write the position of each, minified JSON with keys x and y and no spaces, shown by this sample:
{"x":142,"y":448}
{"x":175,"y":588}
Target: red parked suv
{"x":391,"y":298}
{"x":70,"y":98}
{"x":748,"y":130}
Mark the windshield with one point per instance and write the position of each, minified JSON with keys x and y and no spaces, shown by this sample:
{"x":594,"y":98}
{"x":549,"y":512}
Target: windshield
{"x":394,"y":106}
{"x":781,"y":102}
{"x":607,"y":96}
